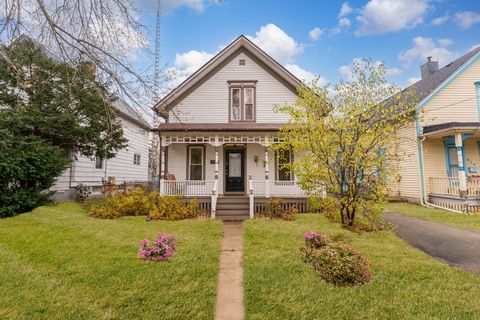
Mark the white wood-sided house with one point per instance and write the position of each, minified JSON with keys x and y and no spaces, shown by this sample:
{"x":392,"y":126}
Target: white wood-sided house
{"x":441,"y":162}
{"x":130,"y":164}
{"x":219,"y":124}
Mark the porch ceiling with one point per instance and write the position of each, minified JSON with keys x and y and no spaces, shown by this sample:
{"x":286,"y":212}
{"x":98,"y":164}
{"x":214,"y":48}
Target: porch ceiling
{"x":450,"y":128}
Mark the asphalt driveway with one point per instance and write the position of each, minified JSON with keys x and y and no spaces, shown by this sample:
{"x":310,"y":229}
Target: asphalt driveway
{"x":455,"y":246}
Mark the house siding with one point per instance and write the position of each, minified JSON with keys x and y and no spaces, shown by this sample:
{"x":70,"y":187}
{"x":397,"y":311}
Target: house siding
{"x":434,"y":162}
{"x":456,"y":102}
{"x":409,"y":184}
{"x":177,"y":163}
{"x":209,"y":103}
{"x":82,"y":169}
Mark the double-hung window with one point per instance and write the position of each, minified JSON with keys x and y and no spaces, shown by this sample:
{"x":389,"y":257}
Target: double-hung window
{"x":242,"y":102}
{"x":284,"y":159}
{"x":248,"y":112}
{"x":452,"y":161}
{"x":98,"y":162}
{"x":195,"y":162}
{"x":136,"y":159}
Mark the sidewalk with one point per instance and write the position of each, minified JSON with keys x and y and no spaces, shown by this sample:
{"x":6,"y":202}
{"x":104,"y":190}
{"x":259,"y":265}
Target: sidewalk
{"x":230,"y":279}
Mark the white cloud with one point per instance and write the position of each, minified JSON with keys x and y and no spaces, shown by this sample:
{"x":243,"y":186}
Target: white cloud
{"x":316,"y":33}
{"x":445,"y":42}
{"x":344,"y":70}
{"x":381,"y":16}
{"x":474,"y":46}
{"x":187,"y":63}
{"x":423,"y":48}
{"x":466,"y":19}
{"x":304,"y":75}
{"x":335,"y":30}
{"x":122,"y":40}
{"x":392,"y":72}
{"x":344,"y":22}
{"x":440,"y":20}
{"x":412,"y":80}
{"x":167,"y":6}
{"x":347,"y":70}
{"x":277,"y":43}
{"x":269,"y":38}
{"x":345,"y":10}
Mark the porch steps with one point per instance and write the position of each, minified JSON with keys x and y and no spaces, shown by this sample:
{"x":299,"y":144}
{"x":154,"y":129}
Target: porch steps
{"x":231,"y":208}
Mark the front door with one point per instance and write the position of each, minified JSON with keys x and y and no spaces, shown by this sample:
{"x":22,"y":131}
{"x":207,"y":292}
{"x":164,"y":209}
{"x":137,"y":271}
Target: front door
{"x":234,"y":170}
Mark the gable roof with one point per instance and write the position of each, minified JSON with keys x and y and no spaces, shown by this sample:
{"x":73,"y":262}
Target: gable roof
{"x":241,"y":44}
{"x":429,"y":85}
{"x":126,"y":111}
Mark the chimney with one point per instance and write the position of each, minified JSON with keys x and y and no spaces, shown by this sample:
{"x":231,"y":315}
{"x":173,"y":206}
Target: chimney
{"x":429,"y":68}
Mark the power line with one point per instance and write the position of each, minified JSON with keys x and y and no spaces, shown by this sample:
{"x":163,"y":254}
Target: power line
{"x":451,"y":104}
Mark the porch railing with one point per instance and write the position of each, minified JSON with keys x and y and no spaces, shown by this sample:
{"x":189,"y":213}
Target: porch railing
{"x":278,"y":188}
{"x":444,"y":186}
{"x":188,"y":188}
{"x":473,"y":186}
{"x":450,"y":186}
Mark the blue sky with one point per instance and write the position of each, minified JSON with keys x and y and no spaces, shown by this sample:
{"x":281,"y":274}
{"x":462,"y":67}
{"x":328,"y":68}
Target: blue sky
{"x":318,"y":37}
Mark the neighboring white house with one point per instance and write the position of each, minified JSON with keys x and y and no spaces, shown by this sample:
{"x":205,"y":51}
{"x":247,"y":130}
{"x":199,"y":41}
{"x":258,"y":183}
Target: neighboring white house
{"x":129,"y":165}
{"x":218,"y":126}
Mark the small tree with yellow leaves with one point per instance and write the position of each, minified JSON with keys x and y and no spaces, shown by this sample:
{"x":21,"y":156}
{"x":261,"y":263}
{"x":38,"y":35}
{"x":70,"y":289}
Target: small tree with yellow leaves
{"x":345,"y":139}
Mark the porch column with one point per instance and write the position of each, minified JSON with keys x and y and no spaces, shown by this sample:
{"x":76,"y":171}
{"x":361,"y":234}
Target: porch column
{"x":215,"y":188}
{"x":162,"y":170}
{"x":267,"y":177}
{"x":461,"y":170}
{"x":215,"y":183}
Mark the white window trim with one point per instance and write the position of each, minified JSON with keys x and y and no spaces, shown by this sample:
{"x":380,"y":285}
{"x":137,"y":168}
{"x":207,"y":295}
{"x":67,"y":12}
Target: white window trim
{"x":277,"y":167}
{"x":244,"y":104}
{"x":95,"y":163}
{"x":241,"y":86}
{"x":190,"y":161}
{"x":137,"y":159}
{"x":239,"y":103}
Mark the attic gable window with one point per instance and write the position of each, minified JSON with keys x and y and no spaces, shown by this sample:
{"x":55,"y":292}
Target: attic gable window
{"x":242,"y":101}
{"x":241,"y":62}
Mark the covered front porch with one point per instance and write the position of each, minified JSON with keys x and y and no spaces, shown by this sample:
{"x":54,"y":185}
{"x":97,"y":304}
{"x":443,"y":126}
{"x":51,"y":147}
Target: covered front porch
{"x":451,"y":166}
{"x":229,"y":170}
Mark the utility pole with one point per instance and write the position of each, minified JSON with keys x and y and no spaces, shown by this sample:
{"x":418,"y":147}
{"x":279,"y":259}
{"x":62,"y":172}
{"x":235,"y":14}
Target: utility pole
{"x":156,"y":80}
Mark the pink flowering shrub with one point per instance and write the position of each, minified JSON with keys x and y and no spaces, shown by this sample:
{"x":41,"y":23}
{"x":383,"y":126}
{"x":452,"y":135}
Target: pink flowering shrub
{"x":314,"y":239}
{"x":334,"y":261}
{"x":162,"y":249}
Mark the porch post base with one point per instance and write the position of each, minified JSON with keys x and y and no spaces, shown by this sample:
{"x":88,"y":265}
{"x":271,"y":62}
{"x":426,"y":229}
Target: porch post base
{"x":463,"y":194}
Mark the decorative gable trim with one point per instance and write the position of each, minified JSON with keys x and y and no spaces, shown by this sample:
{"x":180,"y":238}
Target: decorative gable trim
{"x":445,"y":83}
{"x":240,"y":45}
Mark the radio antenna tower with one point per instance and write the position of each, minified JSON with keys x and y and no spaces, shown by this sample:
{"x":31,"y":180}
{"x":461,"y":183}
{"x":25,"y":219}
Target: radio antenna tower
{"x":156,"y":79}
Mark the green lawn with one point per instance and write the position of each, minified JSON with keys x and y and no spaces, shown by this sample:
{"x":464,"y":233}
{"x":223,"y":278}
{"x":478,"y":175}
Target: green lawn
{"x":407,"y":283}
{"x":58,"y":263}
{"x":457,"y":219}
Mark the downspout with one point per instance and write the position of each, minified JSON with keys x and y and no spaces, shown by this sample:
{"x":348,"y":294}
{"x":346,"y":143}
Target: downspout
{"x":72,"y":171}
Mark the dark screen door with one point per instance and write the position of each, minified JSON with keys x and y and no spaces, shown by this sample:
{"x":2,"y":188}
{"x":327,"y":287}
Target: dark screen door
{"x":234,"y":170}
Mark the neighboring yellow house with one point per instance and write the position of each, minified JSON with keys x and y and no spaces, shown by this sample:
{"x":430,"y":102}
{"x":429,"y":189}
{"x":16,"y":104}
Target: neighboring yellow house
{"x":440,"y":151}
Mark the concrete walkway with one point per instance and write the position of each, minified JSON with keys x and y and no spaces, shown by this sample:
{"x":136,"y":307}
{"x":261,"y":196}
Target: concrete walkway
{"x":230,"y":278}
{"x":455,"y":246}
